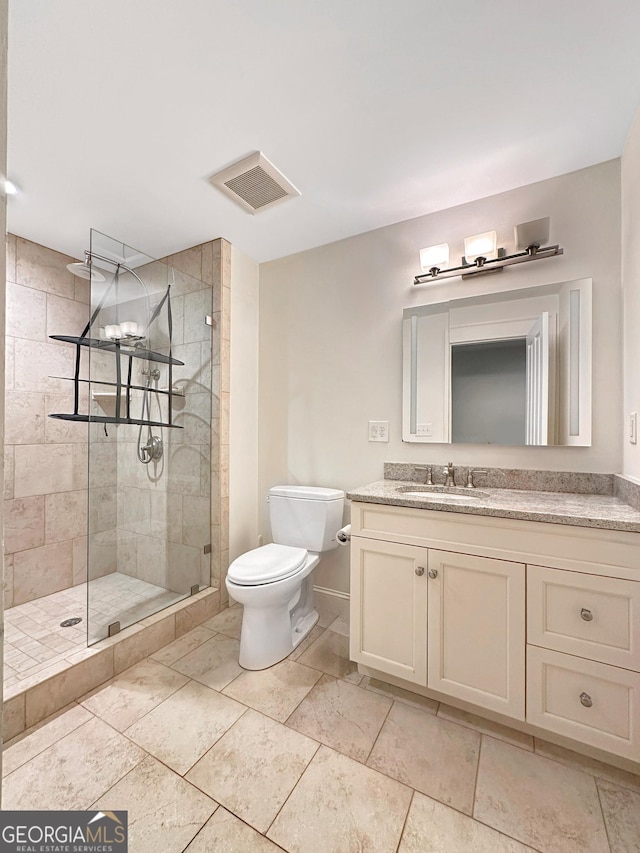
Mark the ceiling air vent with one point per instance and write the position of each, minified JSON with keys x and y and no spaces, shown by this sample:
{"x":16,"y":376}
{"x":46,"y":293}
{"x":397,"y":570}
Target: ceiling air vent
{"x":254,"y":183}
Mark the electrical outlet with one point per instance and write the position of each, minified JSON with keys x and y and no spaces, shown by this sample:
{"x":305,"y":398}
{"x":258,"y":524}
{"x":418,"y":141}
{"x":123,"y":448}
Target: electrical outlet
{"x":378,"y":430}
{"x":633,"y":428}
{"x":424,"y":429}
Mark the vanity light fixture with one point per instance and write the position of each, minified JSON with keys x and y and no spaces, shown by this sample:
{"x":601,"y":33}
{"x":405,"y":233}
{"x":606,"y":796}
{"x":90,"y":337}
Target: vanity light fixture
{"x":482,"y":256}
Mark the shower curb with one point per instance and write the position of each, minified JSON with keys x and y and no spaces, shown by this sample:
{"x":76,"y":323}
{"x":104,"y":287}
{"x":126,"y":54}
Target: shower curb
{"x":26,"y":705}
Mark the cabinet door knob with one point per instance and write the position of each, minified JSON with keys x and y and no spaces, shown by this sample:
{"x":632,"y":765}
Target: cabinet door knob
{"x":420,"y":571}
{"x":585,"y":614}
{"x":586,"y":700}
{"x":433,"y":573}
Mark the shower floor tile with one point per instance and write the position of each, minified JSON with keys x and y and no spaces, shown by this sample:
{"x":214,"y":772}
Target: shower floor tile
{"x":35,"y":641}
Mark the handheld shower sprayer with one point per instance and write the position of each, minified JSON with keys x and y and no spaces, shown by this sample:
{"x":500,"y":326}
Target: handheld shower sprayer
{"x":152,"y":450}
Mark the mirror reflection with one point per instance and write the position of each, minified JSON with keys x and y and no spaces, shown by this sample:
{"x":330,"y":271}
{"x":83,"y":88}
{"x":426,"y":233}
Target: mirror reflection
{"x":510,"y":368}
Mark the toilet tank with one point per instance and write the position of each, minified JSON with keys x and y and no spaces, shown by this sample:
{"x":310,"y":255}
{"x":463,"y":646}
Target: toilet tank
{"x":306,"y":516}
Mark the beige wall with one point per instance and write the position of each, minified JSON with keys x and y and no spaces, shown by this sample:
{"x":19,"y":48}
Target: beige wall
{"x":330,"y":338}
{"x":243,"y":461}
{"x":631,"y":291}
{"x":46,"y":459}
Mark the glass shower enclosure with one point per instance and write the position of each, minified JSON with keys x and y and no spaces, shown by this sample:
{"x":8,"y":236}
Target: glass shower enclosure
{"x":143,"y":384}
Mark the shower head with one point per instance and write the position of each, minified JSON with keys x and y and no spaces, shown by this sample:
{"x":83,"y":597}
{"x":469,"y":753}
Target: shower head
{"x":83,"y":270}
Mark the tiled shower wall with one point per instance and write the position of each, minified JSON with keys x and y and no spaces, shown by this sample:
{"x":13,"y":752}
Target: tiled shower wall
{"x":164,"y":517}
{"x":46,"y":460}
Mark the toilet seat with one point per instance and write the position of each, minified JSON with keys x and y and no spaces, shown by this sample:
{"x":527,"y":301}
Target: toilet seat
{"x":267,"y":564}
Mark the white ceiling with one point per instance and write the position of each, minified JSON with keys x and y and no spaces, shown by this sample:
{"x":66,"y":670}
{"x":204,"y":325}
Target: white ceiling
{"x":377,"y":110}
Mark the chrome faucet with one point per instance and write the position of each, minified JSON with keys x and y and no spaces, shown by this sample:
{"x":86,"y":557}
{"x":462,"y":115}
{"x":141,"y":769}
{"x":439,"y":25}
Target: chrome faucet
{"x":449,"y":475}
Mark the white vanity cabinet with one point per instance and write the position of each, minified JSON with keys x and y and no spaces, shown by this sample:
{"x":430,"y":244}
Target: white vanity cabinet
{"x":534,"y":622}
{"x":463,"y":612}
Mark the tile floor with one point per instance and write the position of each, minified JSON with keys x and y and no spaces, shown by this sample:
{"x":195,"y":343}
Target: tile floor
{"x":36,"y":644}
{"x":309,"y":757}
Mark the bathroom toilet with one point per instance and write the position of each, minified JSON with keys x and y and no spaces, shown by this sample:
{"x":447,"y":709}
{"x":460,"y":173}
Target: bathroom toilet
{"x":274,"y":582}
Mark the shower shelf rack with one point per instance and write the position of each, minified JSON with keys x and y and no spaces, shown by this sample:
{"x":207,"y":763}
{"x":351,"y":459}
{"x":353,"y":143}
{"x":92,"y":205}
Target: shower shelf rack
{"x":131,"y":348}
{"x":122,"y":392}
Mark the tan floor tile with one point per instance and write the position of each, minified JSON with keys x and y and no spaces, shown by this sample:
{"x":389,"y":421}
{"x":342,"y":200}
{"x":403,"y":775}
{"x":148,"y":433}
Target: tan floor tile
{"x":341,"y":806}
{"x":276,"y":691}
{"x":252,"y":769}
{"x":432,"y":755}
{"x":621,"y":809}
{"x":309,"y":640}
{"x":540,"y":802}
{"x":224,"y":833}
{"x":227,"y":622}
{"x":588,"y":765}
{"x":214,"y":663}
{"x":479,"y":724}
{"x":341,"y":716}
{"x":405,"y":696}
{"x":435,"y":828}
{"x":28,"y":745}
{"x":133,"y":693}
{"x":165,"y":812}
{"x":182,"y":728}
{"x":72,"y":772}
{"x":330,"y":654}
{"x":182,"y":646}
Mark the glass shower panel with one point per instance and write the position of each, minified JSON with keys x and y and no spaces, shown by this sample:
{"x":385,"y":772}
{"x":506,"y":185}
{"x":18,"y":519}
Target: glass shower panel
{"x":149,"y":437}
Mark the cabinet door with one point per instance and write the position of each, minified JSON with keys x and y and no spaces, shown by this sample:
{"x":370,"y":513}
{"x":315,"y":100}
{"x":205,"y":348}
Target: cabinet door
{"x":389,"y":608}
{"x":477,"y":630}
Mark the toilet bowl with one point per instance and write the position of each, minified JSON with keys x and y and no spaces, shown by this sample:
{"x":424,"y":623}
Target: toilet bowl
{"x":274,"y":582}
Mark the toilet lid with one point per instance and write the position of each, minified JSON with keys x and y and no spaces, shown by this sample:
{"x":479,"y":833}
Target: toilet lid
{"x":266,"y":564}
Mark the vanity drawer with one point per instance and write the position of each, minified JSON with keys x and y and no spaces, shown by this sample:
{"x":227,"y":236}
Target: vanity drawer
{"x":590,"y":702}
{"x":587,"y":615}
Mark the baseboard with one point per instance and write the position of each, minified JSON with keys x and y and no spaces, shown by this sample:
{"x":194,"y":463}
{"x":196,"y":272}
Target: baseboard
{"x":331,"y":601}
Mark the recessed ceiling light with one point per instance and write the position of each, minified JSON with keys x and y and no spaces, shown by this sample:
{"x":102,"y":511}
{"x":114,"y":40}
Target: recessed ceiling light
{"x":10,"y":188}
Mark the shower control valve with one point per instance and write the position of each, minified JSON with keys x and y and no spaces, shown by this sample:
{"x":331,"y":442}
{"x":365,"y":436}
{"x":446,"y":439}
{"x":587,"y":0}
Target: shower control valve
{"x":152,"y":450}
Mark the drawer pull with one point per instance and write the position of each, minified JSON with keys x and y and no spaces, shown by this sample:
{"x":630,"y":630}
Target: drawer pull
{"x":585,"y":614}
{"x":420,"y":571}
{"x":586,"y":700}
{"x":433,"y":573}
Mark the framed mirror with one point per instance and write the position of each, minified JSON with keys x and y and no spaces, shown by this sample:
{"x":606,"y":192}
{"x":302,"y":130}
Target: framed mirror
{"x":510,"y":368}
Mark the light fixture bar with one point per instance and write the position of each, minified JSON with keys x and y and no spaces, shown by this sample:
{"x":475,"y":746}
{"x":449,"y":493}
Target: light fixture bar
{"x":483,"y":266}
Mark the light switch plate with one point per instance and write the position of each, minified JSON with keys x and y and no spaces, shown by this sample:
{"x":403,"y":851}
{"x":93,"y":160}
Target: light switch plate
{"x":378,"y":430}
{"x":633,"y":428}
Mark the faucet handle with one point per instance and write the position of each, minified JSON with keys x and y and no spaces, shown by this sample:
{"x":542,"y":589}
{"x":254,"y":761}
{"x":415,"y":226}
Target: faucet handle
{"x":472,"y":471}
{"x":427,"y":469}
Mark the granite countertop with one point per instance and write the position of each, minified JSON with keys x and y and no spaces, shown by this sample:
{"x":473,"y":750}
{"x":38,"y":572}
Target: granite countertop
{"x":582,"y":510}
